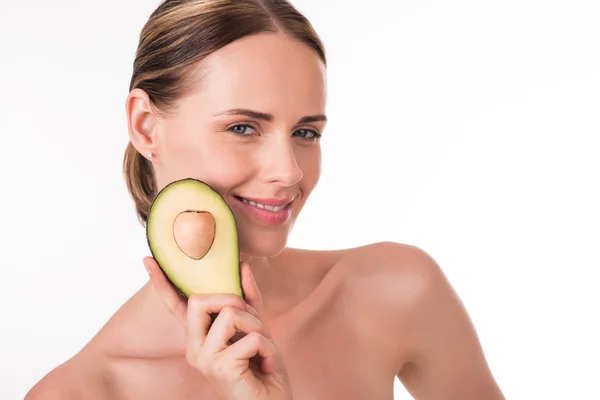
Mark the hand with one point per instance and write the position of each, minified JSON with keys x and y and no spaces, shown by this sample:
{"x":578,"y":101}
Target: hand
{"x":235,"y":353}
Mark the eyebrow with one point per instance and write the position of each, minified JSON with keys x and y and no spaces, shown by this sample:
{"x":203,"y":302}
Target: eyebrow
{"x":269,"y":117}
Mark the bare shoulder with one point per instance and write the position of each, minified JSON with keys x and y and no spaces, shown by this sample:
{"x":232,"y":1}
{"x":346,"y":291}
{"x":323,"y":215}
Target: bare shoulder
{"x":385,"y":276}
{"x":397,"y":275}
{"x":403,"y":295}
{"x":402,"y":269}
{"x":80,"y":377}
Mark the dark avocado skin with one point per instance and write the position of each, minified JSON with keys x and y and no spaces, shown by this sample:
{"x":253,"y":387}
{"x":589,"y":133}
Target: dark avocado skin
{"x":181,"y":294}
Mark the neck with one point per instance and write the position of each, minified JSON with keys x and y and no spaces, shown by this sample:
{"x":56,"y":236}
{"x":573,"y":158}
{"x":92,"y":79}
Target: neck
{"x":270,"y":282}
{"x":281,"y":285}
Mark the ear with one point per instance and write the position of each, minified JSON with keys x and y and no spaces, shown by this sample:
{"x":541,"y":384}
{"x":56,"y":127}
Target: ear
{"x":141,"y":122}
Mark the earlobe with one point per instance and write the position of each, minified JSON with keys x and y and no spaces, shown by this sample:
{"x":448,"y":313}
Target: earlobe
{"x":141,"y":122}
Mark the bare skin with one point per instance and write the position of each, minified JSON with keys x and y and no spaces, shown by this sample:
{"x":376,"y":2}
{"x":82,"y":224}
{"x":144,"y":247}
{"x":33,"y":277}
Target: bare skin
{"x":346,"y":322}
{"x":345,"y":332}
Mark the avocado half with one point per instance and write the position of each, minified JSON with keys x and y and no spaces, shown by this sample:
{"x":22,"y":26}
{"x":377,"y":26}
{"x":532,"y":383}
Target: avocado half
{"x":192,"y":235}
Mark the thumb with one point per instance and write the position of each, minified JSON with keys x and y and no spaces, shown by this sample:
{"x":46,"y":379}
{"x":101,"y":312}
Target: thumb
{"x":251,"y":291}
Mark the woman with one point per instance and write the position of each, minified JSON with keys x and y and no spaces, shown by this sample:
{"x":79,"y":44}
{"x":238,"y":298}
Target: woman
{"x":233,"y":92}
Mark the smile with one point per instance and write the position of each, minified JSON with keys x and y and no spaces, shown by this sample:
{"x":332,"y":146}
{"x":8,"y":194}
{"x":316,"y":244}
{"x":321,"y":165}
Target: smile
{"x":264,"y":206}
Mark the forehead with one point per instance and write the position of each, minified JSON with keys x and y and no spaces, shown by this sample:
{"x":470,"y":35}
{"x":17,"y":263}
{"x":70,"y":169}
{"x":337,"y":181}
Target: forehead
{"x":268,"y":72}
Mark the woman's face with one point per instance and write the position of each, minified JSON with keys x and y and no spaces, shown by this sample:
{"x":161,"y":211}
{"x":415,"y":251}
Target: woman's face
{"x":251,"y":131}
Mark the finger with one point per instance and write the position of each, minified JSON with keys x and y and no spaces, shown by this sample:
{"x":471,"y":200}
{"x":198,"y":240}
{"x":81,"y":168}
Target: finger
{"x":230,"y":321}
{"x":251,"y":345}
{"x":251,"y":292}
{"x":169,"y":295}
{"x":200,"y":309}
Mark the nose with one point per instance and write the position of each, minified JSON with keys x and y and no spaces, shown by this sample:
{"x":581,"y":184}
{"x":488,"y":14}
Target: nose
{"x":280,"y":164}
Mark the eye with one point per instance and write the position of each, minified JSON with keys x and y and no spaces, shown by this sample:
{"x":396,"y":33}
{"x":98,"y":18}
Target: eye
{"x":240,"y":129}
{"x":307,"y":134}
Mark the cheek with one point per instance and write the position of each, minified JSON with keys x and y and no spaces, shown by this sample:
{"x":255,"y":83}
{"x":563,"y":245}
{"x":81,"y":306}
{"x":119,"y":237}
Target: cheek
{"x":221,"y":165}
{"x":309,"y":162}
{"x":225,"y":167}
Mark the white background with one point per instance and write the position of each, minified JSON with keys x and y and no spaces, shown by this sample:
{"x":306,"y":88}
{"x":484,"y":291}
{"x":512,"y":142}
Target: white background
{"x":467,"y":128}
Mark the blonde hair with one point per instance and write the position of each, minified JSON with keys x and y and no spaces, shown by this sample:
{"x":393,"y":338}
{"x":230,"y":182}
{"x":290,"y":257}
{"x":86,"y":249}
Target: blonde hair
{"x":179,"y":34}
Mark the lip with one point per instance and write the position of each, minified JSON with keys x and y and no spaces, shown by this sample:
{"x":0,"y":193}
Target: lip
{"x":267,"y":217}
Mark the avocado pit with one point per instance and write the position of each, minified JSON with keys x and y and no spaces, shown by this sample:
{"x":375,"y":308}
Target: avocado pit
{"x":194,"y":232}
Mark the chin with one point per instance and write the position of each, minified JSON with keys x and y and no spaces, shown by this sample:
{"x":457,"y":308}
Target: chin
{"x":261,"y":244}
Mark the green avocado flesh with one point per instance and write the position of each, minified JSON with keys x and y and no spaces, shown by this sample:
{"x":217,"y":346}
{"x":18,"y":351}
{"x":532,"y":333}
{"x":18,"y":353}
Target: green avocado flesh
{"x":217,"y":271}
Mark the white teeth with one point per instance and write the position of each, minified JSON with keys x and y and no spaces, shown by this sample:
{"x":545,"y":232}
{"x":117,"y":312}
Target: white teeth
{"x":264,"y":206}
